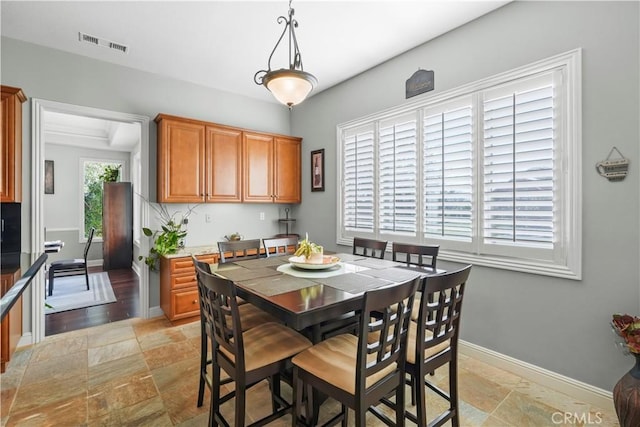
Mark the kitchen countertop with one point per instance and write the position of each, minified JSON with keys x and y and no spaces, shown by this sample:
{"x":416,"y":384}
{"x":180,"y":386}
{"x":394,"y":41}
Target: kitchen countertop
{"x":194,"y":250}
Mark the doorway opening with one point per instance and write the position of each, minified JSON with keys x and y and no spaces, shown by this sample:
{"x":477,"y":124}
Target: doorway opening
{"x":44,"y":113}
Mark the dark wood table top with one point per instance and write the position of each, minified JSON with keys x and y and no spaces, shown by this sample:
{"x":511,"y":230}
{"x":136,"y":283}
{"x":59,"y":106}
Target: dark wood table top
{"x":310,"y":300}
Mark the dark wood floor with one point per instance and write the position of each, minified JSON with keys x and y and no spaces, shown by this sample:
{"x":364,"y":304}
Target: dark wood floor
{"x":125,"y":288}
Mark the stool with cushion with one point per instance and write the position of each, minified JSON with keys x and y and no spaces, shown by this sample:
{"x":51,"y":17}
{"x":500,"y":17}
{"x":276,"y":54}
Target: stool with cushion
{"x":433,"y":342}
{"x":247,"y":357}
{"x":250,"y":316}
{"x":416,"y":256}
{"x":360,"y":371}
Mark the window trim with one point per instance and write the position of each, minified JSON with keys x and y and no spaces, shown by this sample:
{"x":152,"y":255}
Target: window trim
{"x":567,"y":261}
{"x":123,"y":172}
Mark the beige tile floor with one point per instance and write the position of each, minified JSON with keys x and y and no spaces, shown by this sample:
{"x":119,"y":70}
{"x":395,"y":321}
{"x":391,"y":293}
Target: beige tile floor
{"x":145,"y":373}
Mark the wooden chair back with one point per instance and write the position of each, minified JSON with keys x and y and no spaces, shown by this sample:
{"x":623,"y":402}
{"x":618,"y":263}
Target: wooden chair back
{"x":369,"y":247}
{"x":280,"y":246}
{"x":239,"y":250}
{"x":417,"y":255}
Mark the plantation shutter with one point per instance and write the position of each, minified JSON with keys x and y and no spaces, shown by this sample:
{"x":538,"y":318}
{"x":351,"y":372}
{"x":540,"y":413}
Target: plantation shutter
{"x":358,"y":179}
{"x":519,"y":163}
{"x":448,"y":171}
{"x":397,"y":175}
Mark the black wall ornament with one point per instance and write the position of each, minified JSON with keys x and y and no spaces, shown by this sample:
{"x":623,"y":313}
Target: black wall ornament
{"x":420,"y":82}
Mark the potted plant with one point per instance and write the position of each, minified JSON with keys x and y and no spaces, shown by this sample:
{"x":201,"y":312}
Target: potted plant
{"x":110,"y":173}
{"x":169,"y":238}
{"x":312,"y":252}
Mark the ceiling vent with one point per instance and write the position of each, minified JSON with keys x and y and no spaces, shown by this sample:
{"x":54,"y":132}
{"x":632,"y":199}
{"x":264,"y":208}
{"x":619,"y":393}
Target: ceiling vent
{"x":87,"y":38}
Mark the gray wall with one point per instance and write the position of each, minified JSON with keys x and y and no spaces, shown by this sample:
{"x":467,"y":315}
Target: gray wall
{"x":560,"y":325}
{"x":62,"y":208}
{"x":55,"y":75}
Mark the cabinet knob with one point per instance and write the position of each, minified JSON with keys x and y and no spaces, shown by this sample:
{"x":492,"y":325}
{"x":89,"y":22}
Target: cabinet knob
{"x":195,"y":301}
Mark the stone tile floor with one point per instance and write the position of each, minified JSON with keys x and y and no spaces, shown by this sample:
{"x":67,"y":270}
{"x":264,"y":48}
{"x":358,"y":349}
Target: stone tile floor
{"x":145,"y":373}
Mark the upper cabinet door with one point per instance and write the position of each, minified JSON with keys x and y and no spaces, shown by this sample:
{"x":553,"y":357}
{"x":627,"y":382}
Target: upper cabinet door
{"x":258,"y":168}
{"x":287,"y":170}
{"x":11,"y":155}
{"x":181,"y":164}
{"x":223,"y":164}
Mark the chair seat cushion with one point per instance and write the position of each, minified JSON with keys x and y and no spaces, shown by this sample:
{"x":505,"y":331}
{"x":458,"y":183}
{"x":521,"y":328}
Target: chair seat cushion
{"x":334,"y":361}
{"x":251,"y":316}
{"x":268,"y":343}
{"x":69,"y":263}
{"x":412,"y":341}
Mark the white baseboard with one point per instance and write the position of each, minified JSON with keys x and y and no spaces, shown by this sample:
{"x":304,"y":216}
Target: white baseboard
{"x":95,"y":262}
{"x":136,"y":268}
{"x":155,"y":311}
{"x":25,"y":340}
{"x":584,"y":392}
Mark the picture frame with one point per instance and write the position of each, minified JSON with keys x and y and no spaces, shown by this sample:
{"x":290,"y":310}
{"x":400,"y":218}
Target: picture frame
{"x":48,"y":177}
{"x":317,"y":170}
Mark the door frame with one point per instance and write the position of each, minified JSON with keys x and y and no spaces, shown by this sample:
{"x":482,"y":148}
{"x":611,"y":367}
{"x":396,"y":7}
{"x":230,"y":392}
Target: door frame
{"x":38,"y":107}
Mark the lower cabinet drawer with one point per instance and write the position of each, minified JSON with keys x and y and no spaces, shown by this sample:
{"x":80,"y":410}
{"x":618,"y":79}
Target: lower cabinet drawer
{"x":185,"y":304}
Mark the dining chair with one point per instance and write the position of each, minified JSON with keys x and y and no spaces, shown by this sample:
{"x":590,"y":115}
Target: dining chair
{"x":280,"y":246}
{"x":433,"y":342}
{"x":250,"y":316}
{"x":416,"y":255}
{"x":71,"y":267}
{"x":238,"y":250}
{"x":369,"y":247}
{"x":359,"y":371}
{"x":248,"y":357}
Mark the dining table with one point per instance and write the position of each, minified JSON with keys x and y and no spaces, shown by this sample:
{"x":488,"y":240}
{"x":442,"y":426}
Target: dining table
{"x":303,"y":296}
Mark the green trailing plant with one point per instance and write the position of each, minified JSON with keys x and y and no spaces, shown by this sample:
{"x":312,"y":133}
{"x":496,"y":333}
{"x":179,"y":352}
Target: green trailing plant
{"x":169,"y":238}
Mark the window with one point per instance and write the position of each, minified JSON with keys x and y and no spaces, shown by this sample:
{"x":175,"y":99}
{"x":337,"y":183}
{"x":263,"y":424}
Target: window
{"x":91,"y":215}
{"x":489,"y":171}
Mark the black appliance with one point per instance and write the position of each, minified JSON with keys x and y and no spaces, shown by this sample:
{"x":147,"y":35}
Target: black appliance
{"x":10,"y":233}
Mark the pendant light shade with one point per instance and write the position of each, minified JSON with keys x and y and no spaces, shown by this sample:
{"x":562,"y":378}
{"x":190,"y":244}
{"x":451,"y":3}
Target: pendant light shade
{"x":289,"y":86}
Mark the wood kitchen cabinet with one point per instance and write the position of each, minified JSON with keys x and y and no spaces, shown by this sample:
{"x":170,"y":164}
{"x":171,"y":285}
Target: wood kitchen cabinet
{"x":223,"y":150}
{"x":181,"y":151}
{"x":179,"y":287}
{"x":198,"y":162}
{"x":11,"y":156}
{"x":207,"y":162}
{"x":11,"y":327}
{"x":271,"y":168}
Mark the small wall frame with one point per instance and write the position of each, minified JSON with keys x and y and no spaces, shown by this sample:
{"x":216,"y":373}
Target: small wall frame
{"x":317,"y":170}
{"x":48,"y":177}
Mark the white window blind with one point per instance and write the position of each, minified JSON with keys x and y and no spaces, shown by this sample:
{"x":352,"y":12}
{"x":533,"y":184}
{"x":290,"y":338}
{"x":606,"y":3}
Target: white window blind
{"x":519,"y":165}
{"x":358,"y":180}
{"x":447,"y":172}
{"x":490,"y":171}
{"x":397,"y":175}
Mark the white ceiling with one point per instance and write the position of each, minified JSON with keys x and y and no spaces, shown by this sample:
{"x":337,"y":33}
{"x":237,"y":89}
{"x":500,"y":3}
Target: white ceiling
{"x":222,"y":44}
{"x":67,"y":129}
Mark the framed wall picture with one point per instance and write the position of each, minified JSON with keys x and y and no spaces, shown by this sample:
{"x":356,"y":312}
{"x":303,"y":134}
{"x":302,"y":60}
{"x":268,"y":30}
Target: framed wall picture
{"x":317,"y":170}
{"x":48,"y":177}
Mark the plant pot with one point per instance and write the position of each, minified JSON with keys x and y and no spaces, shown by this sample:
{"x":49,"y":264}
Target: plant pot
{"x":626,"y":396}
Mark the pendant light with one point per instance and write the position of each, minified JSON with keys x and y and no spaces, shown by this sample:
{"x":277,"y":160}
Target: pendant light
{"x":290,"y":85}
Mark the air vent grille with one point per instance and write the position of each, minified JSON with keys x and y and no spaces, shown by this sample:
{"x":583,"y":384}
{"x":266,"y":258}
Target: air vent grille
{"x":87,"y":38}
